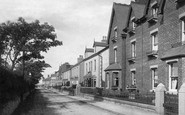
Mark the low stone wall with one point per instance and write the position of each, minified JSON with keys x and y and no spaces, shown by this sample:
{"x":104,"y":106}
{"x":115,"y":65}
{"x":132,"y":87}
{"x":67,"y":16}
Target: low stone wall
{"x":128,"y":103}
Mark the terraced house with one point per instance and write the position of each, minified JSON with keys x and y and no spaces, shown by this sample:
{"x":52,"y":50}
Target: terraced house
{"x":155,"y":45}
{"x":116,"y":71}
{"x":94,"y":64}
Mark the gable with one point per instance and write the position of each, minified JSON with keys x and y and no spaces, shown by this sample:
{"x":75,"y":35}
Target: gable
{"x":119,"y":17}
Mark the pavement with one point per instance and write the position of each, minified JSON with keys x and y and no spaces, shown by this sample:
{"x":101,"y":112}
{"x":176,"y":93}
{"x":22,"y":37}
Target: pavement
{"x":119,"y":109}
{"x":52,"y":102}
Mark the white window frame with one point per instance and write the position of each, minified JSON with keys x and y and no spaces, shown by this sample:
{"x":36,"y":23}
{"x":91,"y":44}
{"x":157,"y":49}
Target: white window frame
{"x":114,"y":80}
{"x":115,"y":54}
{"x":133,"y":78}
{"x":170,"y":62}
{"x":154,"y":39}
{"x":133,"y":23}
{"x":154,"y":9}
{"x":183,"y":30}
{"x":95,"y":65}
{"x":108,"y":80}
{"x":154,"y":77}
{"x":133,"y":48}
{"x":116,"y":32}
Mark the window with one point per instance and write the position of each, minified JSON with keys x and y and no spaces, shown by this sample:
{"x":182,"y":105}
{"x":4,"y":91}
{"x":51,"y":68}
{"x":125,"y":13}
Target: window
{"x":154,"y":38}
{"x":154,"y":73}
{"x":115,"y":55}
{"x":107,"y":78}
{"x":94,"y":65}
{"x":154,"y":11}
{"x":133,"y":78}
{"x":91,"y":66}
{"x":173,"y":76}
{"x":115,"y":32}
{"x":86,"y":68}
{"x":154,"y":8}
{"x":183,"y":30}
{"x":133,"y":49}
{"x":115,"y":78}
{"x":133,"y":23}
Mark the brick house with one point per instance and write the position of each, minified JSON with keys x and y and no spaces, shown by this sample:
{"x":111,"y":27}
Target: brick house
{"x":155,"y":47}
{"x":115,"y":72}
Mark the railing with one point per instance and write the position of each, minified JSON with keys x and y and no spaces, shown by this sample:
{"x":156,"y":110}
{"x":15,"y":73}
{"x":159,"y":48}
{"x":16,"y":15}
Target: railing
{"x":171,"y":104}
{"x":146,"y":98}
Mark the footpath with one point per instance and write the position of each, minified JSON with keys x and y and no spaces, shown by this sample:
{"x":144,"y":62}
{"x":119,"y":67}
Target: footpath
{"x":120,"y":109}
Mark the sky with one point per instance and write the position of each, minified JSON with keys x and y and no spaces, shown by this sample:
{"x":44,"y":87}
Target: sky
{"x":77,"y":24}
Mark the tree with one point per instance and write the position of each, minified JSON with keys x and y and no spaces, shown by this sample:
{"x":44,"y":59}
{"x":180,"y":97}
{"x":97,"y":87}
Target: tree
{"x":25,"y":41}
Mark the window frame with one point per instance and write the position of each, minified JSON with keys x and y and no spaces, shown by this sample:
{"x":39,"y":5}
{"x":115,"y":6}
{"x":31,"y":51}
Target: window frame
{"x":153,"y":76}
{"x":115,"y":54}
{"x":170,"y":72}
{"x":154,"y":37}
{"x":116,"y":32}
{"x":133,"y":49}
{"x":133,"y":78}
{"x":115,"y":78}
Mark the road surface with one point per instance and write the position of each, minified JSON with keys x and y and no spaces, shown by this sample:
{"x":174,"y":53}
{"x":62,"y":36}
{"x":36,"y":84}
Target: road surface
{"x":46,"y":102}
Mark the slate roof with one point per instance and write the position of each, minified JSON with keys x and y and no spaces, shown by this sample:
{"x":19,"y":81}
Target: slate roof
{"x":121,"y":12}
{"x":114,"y":66}
{"x":174,"y":52}
{"x":101,"y":44}
{"x":89,"y":50}
{"x":138,"y":9}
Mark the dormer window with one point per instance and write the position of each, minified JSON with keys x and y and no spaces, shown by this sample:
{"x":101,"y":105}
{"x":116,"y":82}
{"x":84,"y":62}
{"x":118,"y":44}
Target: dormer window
{"x":115,"y":32}
{"x":132,"y":28}
{"x":154,"y":10}
{"x":133,"y":23}
{"x":114,"y":39}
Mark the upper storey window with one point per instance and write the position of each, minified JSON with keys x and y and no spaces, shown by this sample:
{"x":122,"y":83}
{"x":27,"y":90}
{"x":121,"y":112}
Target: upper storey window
{"x":115,"y":37}
{"x":132,"y":26}
{"x":153,"y":12}
{"x":183,"y":30}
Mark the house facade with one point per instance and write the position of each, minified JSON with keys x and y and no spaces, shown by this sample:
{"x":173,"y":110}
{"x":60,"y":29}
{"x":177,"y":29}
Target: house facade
{"x":155,"y":47}
{"x":94,"y":76}
{"x":77,"y":71}
{"x":115,"y":72}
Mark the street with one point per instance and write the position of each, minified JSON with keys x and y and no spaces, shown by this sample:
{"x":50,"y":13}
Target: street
{"x":46,"y":102}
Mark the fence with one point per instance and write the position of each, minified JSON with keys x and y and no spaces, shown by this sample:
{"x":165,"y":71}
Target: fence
{"x":170,"y":104}
{"x":145,"y":98}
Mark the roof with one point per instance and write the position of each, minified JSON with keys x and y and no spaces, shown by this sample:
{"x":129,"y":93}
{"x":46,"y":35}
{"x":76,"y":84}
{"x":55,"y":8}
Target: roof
{"x":174,"y":52}
{"x":95,"y":54}
{"x":101,"y":44}
{"x":114,"y":66}
{"x":161,"y":4}
{"x":89,"y":50}
{"x":121,"y":12}
{"x":138,"y":9}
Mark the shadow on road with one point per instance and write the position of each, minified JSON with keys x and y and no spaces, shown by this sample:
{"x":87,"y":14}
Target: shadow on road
{"x":35,"y":104}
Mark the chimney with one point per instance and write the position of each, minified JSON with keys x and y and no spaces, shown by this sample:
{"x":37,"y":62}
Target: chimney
{"x":104,"y":39}
{"x":80,"y":58}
